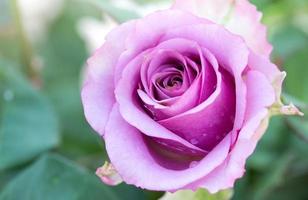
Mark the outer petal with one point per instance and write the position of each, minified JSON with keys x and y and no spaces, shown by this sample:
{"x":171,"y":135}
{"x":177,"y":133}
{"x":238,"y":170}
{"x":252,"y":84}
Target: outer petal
{"x":224,"y":176}
{"x":238,"y":16}
{"x":150,"y":29}
{"x":260,"y":96}
{"x":271,"y":71}
{"x":98,"y":90}
{"x":264,"y":65}
{"x":131,"y":157}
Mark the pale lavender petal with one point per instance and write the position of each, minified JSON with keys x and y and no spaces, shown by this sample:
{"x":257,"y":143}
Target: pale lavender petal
{"x":264,"y":65}
{"x":133,"y":112}
{"x":149,"y":30}
{"x":98,"y":90}
{"x":232,"y":54}
{"x":208,"y":126}
{"x":259,"y":97}
{"x":238,"y":16}
{"x":136,"y":165}
{"x":108,"y":174}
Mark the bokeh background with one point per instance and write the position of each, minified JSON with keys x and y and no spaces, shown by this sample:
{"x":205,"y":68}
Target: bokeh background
{"x":48,"y":151}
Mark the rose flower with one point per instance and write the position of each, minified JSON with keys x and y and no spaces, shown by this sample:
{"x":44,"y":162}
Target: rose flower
{"x":182,"y":96}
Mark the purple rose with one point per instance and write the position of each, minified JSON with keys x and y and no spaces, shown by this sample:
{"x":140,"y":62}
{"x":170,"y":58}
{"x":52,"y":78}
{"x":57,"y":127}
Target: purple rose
{"x":182,"y":96}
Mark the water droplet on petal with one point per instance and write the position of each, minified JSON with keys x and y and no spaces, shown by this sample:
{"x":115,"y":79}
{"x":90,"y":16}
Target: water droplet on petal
{"x":217,"y":137}
{"x":193,"y":151}
{"x":8,"y":95}
{"x":193,"y":164}
{"x":178,"y":149}
{"x":232,"y":118}
{"x":194,"y":141}
{"x":162,"y":143}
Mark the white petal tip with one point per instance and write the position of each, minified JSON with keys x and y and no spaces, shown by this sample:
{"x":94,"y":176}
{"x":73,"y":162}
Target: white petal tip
{"x":290,"y":109}
{"x":108,"y":174}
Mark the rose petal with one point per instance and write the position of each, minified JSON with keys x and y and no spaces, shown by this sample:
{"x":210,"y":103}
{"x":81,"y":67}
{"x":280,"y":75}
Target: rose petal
{"x":261,"y":93}
{"x":264,"y":65}
{"x":207,"y":127}
{"x":238,"y":16}
{"x":276,"y":78}
{"x":130,"y":107}
{"x":224,"y":176}
{"x":232,"y":54}
{"x":130,"y":156}
{"x":108,"y":174}
{"x":98,"y":90}
{"x":259,"y":97}
{"x":149,"y":30}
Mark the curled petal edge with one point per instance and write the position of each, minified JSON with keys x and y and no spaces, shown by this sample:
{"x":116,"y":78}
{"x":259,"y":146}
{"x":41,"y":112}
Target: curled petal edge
{"x":278,"y":108}
{"x":108,"y":174}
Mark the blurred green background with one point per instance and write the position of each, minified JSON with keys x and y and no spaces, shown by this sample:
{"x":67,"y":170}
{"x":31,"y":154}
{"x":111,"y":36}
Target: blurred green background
{"x":48,"y":151}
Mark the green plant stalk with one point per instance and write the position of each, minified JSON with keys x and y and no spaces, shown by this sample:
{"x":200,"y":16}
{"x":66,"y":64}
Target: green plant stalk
{"x":26,"y":53}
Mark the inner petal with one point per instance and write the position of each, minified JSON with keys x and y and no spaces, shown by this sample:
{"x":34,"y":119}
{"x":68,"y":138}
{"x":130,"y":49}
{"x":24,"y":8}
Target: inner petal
{"x":171,"y":154}
{"x":178,"y":75}
{"x":168,"y":84}
{"x":207,"y":126}
{"x":165,"y":74}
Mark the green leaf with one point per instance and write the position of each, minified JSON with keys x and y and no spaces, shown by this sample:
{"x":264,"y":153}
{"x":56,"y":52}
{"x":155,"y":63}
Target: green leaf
{"x":297,"y":72}
{"x":273,"y":177}
{"x":28,"y":124}
{"x":293,"y":188}
{"x":299,"y":127}
{"x":266,"y":167}
{"x":200,"y":194}
{"x":288,"y":40}
{"x":54,"y":177}
{"x":64,"y":56}
{"x":279,"y":160}
{"x":7,"y":175}
{"x":261,"y":4}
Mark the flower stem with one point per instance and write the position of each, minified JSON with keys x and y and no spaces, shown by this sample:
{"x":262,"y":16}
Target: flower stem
{"x":26,"y":53}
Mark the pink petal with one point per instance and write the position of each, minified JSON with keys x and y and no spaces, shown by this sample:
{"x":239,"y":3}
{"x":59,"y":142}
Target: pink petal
{"x":136,"y":165}
{"x":131,"y":110}
{"x":149,"y":30}
{"x":231,"y":52}
{"x":264,"y":65}
{"x":98,"y":90}
{"x":108,"y":174}
{"x":260,"y":95}
{"x":208,"y":126}
{"x":233,"y":167}
{"x":270,"y":70}
{"x":238,"y":16}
